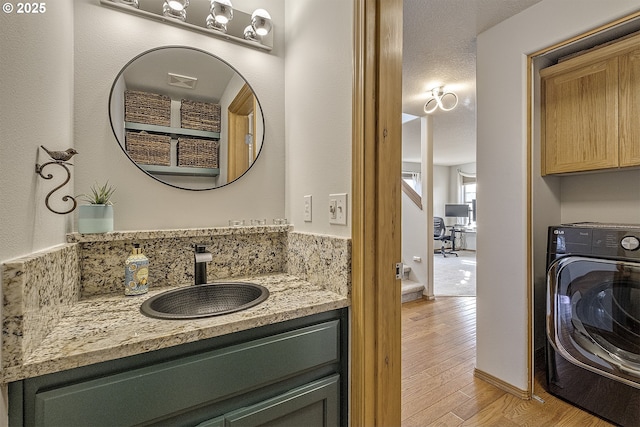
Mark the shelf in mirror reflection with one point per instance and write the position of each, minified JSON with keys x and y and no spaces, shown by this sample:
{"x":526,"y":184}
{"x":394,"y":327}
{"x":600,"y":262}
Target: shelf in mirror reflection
{"x":180,"y":170}
{"x":172,"y":131}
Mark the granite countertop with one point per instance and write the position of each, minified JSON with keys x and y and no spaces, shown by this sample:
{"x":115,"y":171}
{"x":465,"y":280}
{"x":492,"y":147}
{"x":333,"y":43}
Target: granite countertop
{"x":105,"y":328}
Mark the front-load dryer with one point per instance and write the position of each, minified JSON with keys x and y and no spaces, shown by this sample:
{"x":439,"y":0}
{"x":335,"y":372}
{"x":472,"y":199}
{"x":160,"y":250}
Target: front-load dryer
{"x":593,"y":318}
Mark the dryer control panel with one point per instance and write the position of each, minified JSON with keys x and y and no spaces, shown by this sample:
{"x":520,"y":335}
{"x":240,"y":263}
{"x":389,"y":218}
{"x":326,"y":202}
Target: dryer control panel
{"x":595,"y":239}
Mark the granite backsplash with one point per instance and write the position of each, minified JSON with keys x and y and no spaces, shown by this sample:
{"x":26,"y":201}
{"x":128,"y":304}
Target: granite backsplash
{"x":171,"y":258}
{"x":37,"y":290}
{"x":321,"y":260}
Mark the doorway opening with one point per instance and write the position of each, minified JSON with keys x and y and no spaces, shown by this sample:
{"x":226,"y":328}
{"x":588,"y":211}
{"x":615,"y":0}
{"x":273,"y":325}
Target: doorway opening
{"x":438,"y":217}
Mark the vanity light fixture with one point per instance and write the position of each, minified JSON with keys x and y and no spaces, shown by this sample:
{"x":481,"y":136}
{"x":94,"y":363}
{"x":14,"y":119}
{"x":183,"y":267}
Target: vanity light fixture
{"x":261,"y":22}
{"x":214,"y":20}
{"x":447,"y":101}
{"x":176,"y":9}
{"x":222,"y":11}
{"x":250,"y":33}
{"x":132,"y":3}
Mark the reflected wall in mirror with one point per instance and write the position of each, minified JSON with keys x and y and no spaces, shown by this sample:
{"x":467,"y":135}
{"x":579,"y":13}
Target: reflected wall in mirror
{"x":186,"y":118}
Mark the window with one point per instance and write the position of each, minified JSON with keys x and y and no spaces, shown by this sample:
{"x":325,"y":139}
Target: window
{"x":468,"y":193}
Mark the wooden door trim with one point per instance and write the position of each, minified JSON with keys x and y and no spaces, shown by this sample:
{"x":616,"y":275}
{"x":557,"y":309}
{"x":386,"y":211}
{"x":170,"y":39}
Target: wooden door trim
{"x":376,"y":240}
{"x":242,"y":105}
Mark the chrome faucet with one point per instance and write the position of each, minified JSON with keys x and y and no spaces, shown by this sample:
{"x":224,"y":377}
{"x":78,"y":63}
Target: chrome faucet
{"x":201,"y":258}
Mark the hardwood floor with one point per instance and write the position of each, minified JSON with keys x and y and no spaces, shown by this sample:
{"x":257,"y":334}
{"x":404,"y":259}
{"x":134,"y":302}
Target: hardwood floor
{"x":438,"y":386}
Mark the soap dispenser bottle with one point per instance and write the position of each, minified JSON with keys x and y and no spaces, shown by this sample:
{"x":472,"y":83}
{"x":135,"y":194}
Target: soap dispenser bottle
{"x":136,"y":272}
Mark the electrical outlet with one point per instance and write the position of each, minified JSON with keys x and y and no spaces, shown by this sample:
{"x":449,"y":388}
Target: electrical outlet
{"x":307,"y":208}
{"x":338,"y":209}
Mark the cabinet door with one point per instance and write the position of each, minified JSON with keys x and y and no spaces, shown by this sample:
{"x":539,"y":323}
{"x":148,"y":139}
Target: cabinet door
{"x":630,"y":108}
{"x":215,"y":422}
{"x":580,"y":120}
{"x":312,"y":405}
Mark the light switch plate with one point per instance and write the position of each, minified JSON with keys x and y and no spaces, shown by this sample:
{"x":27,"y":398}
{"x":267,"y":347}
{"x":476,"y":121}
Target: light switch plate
{"x":307,"y":208}
{"x":338,"y":209}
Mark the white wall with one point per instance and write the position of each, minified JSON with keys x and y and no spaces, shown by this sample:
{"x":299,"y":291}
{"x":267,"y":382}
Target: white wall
{"x":502,"y":171}
{"x":105,"y":40}
{"x":414,"y":240}
{"x":36,"y":103}
{"x":441,"y":189}
{"x":36,"y":109}
{"x":318,"y":74}
{"x":414,"y":218}
{"x":411,"y":146}
{"x":604,"y":197}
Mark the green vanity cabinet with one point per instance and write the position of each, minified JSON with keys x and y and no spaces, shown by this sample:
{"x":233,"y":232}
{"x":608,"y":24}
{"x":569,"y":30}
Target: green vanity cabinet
{"x":275,"y":375}
{"x":312,"y":405}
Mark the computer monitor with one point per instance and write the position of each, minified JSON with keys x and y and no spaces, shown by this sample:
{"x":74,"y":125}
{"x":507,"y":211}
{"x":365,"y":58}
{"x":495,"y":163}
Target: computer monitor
{"x":473,"y":210}
{"x":458,"y":211}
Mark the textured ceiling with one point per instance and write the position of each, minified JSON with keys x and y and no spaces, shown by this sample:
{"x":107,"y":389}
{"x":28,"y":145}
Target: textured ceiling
{"x":439,"y":48}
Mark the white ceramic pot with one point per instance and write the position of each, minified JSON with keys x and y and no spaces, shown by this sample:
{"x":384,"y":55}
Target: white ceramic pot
{"x":95,"y":219}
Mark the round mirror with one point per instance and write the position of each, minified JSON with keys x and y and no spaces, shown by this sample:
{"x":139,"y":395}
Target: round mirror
{"x":186,"y":118}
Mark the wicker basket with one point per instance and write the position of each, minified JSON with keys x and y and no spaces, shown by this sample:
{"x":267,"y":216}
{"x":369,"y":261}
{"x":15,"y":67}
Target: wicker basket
{"x":200,"y":115}
{"x":147,"y":108}
{"x":149,"y":149}
{"x":198,"y":153}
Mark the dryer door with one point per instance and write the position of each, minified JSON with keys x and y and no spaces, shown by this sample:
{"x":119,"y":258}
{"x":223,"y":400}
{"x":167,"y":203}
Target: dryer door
{"x":593,"y":315}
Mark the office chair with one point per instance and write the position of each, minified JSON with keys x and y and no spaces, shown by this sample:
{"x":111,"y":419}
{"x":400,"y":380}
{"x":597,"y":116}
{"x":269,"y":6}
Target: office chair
{"x":440,"y":233}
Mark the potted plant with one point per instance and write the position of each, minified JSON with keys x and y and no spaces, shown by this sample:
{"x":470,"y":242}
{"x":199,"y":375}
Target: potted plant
{"x":97,"y":215}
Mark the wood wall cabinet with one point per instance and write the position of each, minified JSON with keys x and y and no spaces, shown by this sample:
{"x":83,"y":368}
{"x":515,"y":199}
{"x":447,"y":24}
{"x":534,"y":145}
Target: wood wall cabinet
{"x":591,"y":110}
{"x":629,"y":114}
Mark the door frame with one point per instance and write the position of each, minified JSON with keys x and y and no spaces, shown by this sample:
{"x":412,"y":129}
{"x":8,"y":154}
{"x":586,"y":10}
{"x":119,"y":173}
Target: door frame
{"x":376,"y":233}
{"x":531,"y":170}
{"x":241,"y":118}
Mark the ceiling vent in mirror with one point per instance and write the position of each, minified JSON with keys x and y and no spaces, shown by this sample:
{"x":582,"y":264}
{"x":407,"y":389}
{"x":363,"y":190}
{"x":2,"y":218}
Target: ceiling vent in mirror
{"x":184,"y":82}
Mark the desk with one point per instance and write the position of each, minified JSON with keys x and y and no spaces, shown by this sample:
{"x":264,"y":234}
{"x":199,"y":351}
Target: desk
{"x":463,"y":238}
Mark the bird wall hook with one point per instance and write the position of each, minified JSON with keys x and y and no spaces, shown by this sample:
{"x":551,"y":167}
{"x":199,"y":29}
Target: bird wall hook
{"x":58,"y":158}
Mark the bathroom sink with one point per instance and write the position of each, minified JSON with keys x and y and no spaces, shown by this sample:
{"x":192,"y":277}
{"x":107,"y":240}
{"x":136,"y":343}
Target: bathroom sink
{"x":211,"y":299}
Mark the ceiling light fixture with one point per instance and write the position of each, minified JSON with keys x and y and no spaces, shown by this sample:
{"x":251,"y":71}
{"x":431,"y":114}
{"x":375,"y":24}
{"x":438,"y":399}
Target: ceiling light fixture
{"x":222,"y":11}
{"x":447,"y":101}
{"x":261,"y":22}
{"x":176,"y":9}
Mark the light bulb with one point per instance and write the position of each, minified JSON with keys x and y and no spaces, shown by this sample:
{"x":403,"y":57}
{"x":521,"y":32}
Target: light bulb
{"x":261,"y":22}
{"x":175,"y":9}
{"x":221,"y":10}
{"x":215,"y":25}
{"x":177,"y":5}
